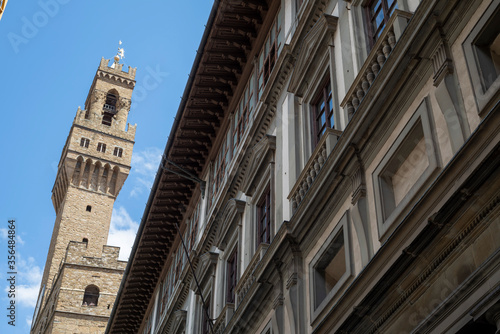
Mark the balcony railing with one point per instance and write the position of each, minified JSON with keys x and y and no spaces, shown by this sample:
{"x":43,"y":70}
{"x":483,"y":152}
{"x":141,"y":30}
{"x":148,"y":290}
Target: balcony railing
{"x":248,"y":277}
{"x":224,"y":317}
{"x":313,"y":166}
{"x":109,"y":108}
{"x":375,"y":60}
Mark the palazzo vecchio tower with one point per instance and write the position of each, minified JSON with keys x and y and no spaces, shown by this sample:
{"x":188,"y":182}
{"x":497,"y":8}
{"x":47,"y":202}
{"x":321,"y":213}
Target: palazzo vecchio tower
{"x":82,"y":275}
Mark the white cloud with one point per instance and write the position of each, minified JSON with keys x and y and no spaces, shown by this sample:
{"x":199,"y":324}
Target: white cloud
{"x":4,"y":233}
{"x":122,"y":232}
{"x":28,"y":278}
{"x":144,"y":166}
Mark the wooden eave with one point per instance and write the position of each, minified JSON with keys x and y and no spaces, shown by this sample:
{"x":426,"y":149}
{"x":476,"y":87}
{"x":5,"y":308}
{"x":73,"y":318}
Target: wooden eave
{"x":231,"y":40}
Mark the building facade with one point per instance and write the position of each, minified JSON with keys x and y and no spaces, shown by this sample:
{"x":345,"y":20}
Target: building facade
{"x":333,"y":168}
{"x":82,"y":275}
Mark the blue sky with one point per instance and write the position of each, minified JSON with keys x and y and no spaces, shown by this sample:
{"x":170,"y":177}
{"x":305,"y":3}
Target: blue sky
{"x":49,"y":53}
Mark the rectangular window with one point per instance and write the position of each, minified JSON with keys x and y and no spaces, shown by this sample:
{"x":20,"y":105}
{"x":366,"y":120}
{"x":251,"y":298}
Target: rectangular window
{"x":101,"y":147}
{"x":219,"y":167}
{"x":269,"y":53}
{"x":118,"y":152}
{"x":232,"y":276}
{"x":378,"y":14}
{"x":482,"y":52}
{"x":206,"y":328}
{"x":264,"y":218}
{"x":194,"y":227}
{"x":84,"y":142}
{"x":409,"y":163}
{"x":323,"y":115}
{"x":329,"y":269}
{"x":243,"y":112}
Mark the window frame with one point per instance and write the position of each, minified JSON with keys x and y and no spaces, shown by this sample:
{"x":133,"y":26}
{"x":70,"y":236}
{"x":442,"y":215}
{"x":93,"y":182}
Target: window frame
{"x":385,"y":219}
{"x":269,"y":53}
{"x":344,"y":228}
{"x":484,"y":96}
{"x":264,"y":211}
{"x":89,"y":296}
{"x":118,"y":152}
{"x":232,"y":275}
{"x":322,"y":97}
{"x":101,"y":147}
{"x":84,"y":142}
{"x":387,"y":13}
{"x":205,"y":316}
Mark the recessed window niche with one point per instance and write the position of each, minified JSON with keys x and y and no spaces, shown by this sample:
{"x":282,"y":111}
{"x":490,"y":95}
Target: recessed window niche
{"x":405,"y":168}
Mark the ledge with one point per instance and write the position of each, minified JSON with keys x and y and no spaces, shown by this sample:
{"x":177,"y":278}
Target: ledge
{"x":248,"y":278}
{"x":375,"y":60}
{"x":313,"y":166}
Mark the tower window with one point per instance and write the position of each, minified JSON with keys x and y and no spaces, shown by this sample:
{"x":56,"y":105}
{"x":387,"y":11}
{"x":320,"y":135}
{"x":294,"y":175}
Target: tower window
{"x":84,"y":142}
{"x":109,"y":108}
{"x":91,"y":296}
{"x":118,"y":152}
{"x":101,"y":147}
{"x":89,"y":208}
{"x":85,"y":240}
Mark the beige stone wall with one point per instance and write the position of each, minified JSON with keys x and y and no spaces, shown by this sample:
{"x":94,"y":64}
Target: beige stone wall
{"x":73,"y":323}
{"x":74,"y":281}
{"x":75,"y":223}
{"x":64,"y":300}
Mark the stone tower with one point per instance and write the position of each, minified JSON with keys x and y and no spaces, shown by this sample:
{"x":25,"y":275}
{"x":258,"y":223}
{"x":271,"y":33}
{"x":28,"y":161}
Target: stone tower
{"x":82,"y":275}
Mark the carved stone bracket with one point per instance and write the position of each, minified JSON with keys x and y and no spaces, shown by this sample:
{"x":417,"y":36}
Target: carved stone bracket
{"x":358,"y":184}
{"x":448,"y":94}
{"x":278,"y":301}
{"x":442,"y":62}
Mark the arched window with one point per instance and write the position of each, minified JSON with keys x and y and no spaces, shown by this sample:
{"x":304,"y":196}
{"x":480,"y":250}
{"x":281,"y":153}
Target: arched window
{"x":109,"y":107}
{"x":91,"y":296}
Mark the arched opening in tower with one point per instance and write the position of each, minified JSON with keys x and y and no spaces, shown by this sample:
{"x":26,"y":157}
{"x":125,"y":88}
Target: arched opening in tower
{"x":109,"y":107}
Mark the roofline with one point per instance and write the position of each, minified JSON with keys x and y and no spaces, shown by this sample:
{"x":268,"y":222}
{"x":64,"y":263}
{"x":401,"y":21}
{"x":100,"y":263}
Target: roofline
{"x":175,"y":125}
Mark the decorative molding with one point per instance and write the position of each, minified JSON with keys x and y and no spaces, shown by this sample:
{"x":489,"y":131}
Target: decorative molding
{"x":179,"y":322}
{"x":206,"y":267}
{"x":278,"y":301}
{"x":316,"y":41}
{"x":258,"y":155}
{"x":441,"y":62}
{"x":224,"y":224}
{"x":292,"y":280}
{"x":358,"y":183}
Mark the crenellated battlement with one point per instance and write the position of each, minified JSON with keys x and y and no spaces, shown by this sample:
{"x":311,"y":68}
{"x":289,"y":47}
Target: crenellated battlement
{"x":76,"y":253}
{"x":90,"y":119}
{"x":117,"y":69}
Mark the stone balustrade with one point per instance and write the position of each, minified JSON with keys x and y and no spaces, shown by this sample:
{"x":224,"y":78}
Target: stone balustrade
{"x":248,"y":277}
{"x":313,"y":166}
{"x":224,"y":317}
{"x":375,"y":61}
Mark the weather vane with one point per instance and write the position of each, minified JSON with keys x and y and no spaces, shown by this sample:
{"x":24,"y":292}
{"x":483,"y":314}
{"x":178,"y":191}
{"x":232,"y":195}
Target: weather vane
{"x":120,"y":54}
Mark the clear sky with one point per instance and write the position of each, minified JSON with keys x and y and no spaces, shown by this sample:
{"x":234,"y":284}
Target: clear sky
{"x":49,"y":53}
